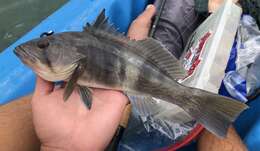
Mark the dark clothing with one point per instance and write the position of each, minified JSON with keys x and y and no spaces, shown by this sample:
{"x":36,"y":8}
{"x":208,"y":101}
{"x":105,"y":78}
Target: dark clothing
{"x":251,"y":7}
{"x":201,"y":6}
{"x":177,"y":22}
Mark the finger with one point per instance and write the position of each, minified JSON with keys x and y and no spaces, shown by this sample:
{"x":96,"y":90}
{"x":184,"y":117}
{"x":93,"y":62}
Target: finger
{"x":106,"y":112}
{"x":146,"y":17}
{"x":75,"y":101}
{"x":109,"y":98}
{"x":140,"y":27}
{"x":43,"y":87}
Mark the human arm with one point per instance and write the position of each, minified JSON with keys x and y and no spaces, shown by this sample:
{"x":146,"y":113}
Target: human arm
{"x":232,"y":142}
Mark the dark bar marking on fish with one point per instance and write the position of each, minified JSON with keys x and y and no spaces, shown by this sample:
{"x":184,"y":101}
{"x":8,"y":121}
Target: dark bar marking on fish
{"x":152,"y":82}
{"x":43,"y":44}
{"x":46,"y":60}
{"x":147,"y":87}
{"x":122,"y":72}
{"x":104,"y":67}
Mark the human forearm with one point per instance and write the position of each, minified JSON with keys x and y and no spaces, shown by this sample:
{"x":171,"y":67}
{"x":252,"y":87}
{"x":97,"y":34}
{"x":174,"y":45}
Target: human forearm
{"x":45,"y":148}
{"x":232,"y":142}
{"x":16,"y":126}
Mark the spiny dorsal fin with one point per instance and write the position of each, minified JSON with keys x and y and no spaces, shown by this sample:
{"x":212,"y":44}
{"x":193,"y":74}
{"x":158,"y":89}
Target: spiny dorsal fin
{"x":101,"y":19}
{"x":157,"y":54}
{"x":150,"y":49}
{"x":101,"y":23}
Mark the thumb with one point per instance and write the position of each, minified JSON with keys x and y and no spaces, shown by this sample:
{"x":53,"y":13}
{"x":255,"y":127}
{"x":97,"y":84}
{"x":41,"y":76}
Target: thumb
{"x":43,"y":87}
{"x":139,"y":28}
{"x":147,"y":15}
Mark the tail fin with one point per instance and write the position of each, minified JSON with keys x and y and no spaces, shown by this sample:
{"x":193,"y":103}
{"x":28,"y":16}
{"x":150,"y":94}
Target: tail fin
{"x":214,"y":112}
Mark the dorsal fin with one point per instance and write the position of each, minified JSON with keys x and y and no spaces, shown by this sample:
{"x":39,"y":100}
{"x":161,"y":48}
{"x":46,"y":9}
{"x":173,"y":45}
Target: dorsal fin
{"x":101,"y":23}
{"x":150,"y":49}
{"x":157,"y":54}
{"x":101,"y":20}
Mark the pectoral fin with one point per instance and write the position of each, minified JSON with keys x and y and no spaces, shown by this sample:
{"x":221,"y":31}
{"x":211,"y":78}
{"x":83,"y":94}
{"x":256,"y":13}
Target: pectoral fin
{"x":72,"y":83}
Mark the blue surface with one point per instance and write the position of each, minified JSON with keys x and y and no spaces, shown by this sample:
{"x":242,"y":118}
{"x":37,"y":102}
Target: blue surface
{"x":16,"y":80}
{"x":240,"y":87}
{"x":248,"y":125}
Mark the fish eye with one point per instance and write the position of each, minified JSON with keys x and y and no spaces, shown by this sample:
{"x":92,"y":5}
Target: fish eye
{"x":44,"y":43}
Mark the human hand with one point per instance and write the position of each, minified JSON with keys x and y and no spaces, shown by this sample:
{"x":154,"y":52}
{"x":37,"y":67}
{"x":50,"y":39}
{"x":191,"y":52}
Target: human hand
{"x":140,"y":27}
{"x":70,"y":125}
{"x":213,"y":5}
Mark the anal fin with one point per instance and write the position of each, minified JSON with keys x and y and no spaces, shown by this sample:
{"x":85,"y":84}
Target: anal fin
{"x":85,"y":95}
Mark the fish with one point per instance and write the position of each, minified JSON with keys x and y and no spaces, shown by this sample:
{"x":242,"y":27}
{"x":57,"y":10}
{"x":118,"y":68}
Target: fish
{"x":101,"y":57}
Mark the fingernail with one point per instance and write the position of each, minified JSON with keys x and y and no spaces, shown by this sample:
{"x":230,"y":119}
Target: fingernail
{"x":148,"y":6}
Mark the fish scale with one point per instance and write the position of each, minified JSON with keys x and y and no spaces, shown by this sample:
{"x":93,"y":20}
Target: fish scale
{"x":104,"y":67}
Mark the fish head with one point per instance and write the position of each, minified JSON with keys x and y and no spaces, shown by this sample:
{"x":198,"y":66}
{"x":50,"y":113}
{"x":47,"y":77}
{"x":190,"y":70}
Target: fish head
{"x":53,"y":57}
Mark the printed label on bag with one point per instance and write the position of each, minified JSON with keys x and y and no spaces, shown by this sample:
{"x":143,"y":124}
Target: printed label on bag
{"x":193,"y":56}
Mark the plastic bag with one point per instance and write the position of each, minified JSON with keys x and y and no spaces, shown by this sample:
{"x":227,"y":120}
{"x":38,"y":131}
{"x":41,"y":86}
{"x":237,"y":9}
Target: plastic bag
{"x":169,"y":119}
{"x":157,"y":122}
{"x":235,"y":85}
{"x":243,"y":81}
{"x":178,"y":20}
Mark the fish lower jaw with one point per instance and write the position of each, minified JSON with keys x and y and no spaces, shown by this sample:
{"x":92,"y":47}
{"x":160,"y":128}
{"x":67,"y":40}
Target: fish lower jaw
{"x":52,"y":77}
{"x":54,"y":74}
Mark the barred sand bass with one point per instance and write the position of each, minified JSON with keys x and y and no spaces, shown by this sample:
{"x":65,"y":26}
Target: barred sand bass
{"x":102,"y":58}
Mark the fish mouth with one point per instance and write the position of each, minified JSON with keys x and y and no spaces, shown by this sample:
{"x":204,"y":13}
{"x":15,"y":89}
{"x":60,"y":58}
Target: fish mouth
{"x":19,"y":52}
{"x":41,"y":69}
{"x":27,"y":58}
